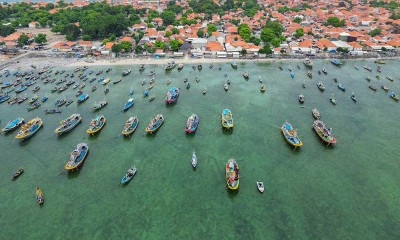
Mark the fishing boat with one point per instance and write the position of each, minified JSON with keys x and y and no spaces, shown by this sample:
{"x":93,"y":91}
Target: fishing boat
{"x":292,"y":74}
{"x":333,"y":99}
{"x":324,"y":71}
{"x":4,"y":98}
{"x":152,"y":72}
{"x":234,"y":65}
{"x":263,"y":88}
{"x":106,"y":90}
{"x":141,"y":68}
{"x":308,"y":63}
{"x":155,"y":123}
{"x":372,"y":87}
{"x":128,"y":104}
{"x":204,"y":91}
{"x":390,"y":78}
{"x":169,"y":81}
{"x":82,"y":85}
{"x":83,"y":98}
{"x":386,"y":89}
{"x":378,"y":69}
{"x":226,"y":86}
{"x":227,"y":119}
{"x":291,"y":135}
{"x":321,"y":86}
{"x":68,"y":124}
{"x":63,"y":88}
{"x":301,"y":98}
{"x":69,"y":102}
{"x":105,"y":81}
{"x":108,"y":70}
{"x":77,"y":157}
{"x":21,"y":99}
{"x":394,"y":96}
{"x":260,"y":186}
{"x":232,"y":174}
{"x":353,"y":97}
{"x":172,"y":95}
{"x":324,"y":133}
{"x":130,"y":126}
{"x":194,"y":159}
{"x":52,"y":111}
{"x":199,"y":66}
{"x":117,"y":81}
{"x":29,"y":129}
{"x":126,"y":72}
{"x":180,"y":66}
{"x":170,"y":65}
{"x":368,"y":79}
{"x":94,"y":88}
{"x":99,"y":105}
{"x":367,"y":68}
{"x":75,"y":86}
{"x":33,"y":99}
{"x":356,"y":67}
{"x":6,"y":85}
{"x":129,"y":175}
{"x":379,"y":61}
{"x":336,"y":62}
{"x":315,"y":113}
{"x":342,"y":87}
{"x":152,"y":98}
{"x":36,"y":88}
{"x":39,"y":196}
{"x":246,"y":75}
{"x":192,"y":123}
{"x":34,"y":106}
{"x":21,"y":89}
{"x":96,"y":124}
{"x":13,"y":125}
{"x":309,"y":73}
{"x":18,"y":173}
{"x":99,"y":72}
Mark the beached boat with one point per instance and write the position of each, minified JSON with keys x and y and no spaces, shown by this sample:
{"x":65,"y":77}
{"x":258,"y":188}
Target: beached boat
{"x":155,"y":123}
{"x":386,"y":89}
{"x":99,"y":105}
{"x":232,"y":174}
{"x":126,"y":72}
{"x":130,"y":126}
{"x":394,"y":96}
{"x":324,"y":133}
{"x":96,"y":124}
{"x":29,"y":129}
{"x":367,"y":68}
{"x":172,"y":95}
{"x":39,"y":196}
{"x":33,"y":99}
{"x":68,"y":124}
{"x":315,"y":113}
{"x":372,"y":87}
{"x":129,"y":175}
{"x":128,"y":104}
{"x":83,"y":97}
{"x":13,"y":125}
{"x":227,"y":119}
{"x":77,"y":157}
{"x":192,"y":123}
{"x":34,"y":106}
{"x":332,"y":99}
{"x":301,"y":98}
{"x":260,"y":186}
{"x":308,"y":63}
{"x":342,"y":87}
{"x":194,"y":159}
{"x":234,"y":65}
{"x":170,"y":65}
{"x":291,"y":135}
{"x":321,"y":86}
{"x":336,"y":62}
{"x":52,"y":111}
{"x":263,"y":88}
{"x":379,"y":61}
{"x":18,"y":173}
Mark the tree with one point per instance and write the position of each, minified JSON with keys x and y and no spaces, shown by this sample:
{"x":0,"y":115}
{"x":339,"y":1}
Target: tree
{"x":22,"y":40}
{"x":211,"y":28}
{"x":299,"y":32}
{"x":139,"y":49}
{"x":168,"y":17}
{"x":297,"y":20}
{"x":57,"y":28}
{"x":168,"y":33}
{"x":116,"y":48}
{"x":267,"y":34}
{"x":175,"y":30}
{"x":244,"y":31}
{"x":160,"y":44}
{"x":265,"y":50}
{"x":200,"y":33}
{"x":175,"y":44}
{"x":276,"y":42}
{"x":86,"y":37}
{"x":375,"y":32}
{"x":243,"y":51}
{"x":275,"y":26}
{"x":257,"y":41}
{"x":126,"y":46}
{"x":335,"y":21}
{"x":72,"y":31}
{"x":41,"y":38}
{"x":6,"y":30}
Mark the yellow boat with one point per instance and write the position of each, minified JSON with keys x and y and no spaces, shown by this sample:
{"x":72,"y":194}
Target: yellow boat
{"x":380,"y":61}
{"x":227,"y":119}
{"x":105,"y":81}
{"x":39,"y":196}
{"x":29,"y":129}
{"x":232,"y":174}
{"x":96,"y":124}
{"x":291,"y":135}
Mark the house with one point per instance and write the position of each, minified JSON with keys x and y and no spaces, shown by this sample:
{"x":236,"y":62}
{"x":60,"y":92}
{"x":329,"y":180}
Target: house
{"x":33,"y":24}
{"x":157,"y":21}
{"x":138,"y":27}
{"x":325,"y":43}
{"x":63,"y":46}
{"x":199,"y":43}
{"x":341,"y":44}
{"x":127,"y":39}
{"x":185,"y":47}
{"x":305,"y":46}
{"x":109,"y":45}
{"x":214,"y":47}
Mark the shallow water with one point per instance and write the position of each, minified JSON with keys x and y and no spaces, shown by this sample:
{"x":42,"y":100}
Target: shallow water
{"x":349,"y":191}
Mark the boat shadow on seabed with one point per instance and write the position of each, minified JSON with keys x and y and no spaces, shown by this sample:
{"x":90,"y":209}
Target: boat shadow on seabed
{"x":227,"y":131}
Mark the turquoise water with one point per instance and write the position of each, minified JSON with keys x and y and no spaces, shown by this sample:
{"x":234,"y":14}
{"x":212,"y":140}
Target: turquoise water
{"x":350,"y":191}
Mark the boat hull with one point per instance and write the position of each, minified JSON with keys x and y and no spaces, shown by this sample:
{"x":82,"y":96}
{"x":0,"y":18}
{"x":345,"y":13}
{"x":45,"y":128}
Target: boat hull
{"x":76,"y":166}
{"x":31,"y":134}
{"x":92,"y":132}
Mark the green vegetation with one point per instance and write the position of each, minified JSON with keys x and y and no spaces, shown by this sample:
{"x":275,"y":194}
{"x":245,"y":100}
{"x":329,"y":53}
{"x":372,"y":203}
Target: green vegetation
{"x":174,"y":44}
{"x":211,"y":28}
{"x":299,"y":32}
{"x":41,"y":38}
{"x":297,"y":20}
{"x":244,"y":32}
{"x":392,"y":5}
{"x":375,"y":32}
{"x":6,"y":30}
{"x":200,"y":33}
{"x":335,"y":21}
{"x":23,"y":40}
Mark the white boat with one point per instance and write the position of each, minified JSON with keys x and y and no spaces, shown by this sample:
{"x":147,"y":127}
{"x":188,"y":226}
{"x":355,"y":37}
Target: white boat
{"x":194,"y":159}
{"x":316,"y":113}
{"x":260,"y":186}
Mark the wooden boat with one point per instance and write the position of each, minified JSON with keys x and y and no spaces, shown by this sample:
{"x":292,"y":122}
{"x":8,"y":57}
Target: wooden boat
{"x":301,"y":98}
{"x":308,"y":63}
{"x":379,"y":61}
{"x":18,"y":173}
{"x":169,"y":81}
{"x":96,"y":124}
{"x":128,"y":104}
{"x":69,"y":102}
{"x":386,"y":89}
{"x":129,"y":175}
{"x":194,"y":159}
{"x":368,"y":79}
{"x":126,"y":72}
{"x":378,"y":69}
{"x":234,"y":65}
{"x":82,"y":85}
{"x":4,"y":98}
{"x":44,"y":99}
{"x":342,"y":87}
{"x":353,"y":97}
{"x":394,"y":96}
{"x":33,"y":99}
{"x":204,"y":91}
{"x":99,"y":105}
{"x":172,"y":95}
{"x":197,"y":79}
{"x":309,"y":73}
{"x":246,"y":75}
{"x":336,"y":62}
{"x":333,"y":99}
{"x":34,"y":106}
{"x":152,"y":98}
{"x":105,"y":81}
{"x":77,"y":157}
{"x":39,"y":196}
{"x":390,"y":78}
{"x":83,"y":98}
{"x":199,"y":66}
{"x":60,"y":102}
{"x":94,"y":88}
{"x":106,"y":90}
{"x":291,"y":135}
{"x":21,"y":89}
{"x":99,"y":72}
{"x":130,"y":126}
{"x":29,"y":129}
{"x":321,"y":86}
{"x":372,"y":87}
{"x":292,"y":74}
{"x":152,"y":72}
{"x":324,"y":133}
{"x":367,"y":68}
{"x":108,"y":70}
{"x":21,"y":99}
{"x":52,"y":111}
{"x":335,"y":79}
{"x":36,"y":88}
{"x":180,"y":66}
{"x":141,"y":68}
{"x":227,"y":119}
{"x":155,"y":123}
{"x":280,"y":67}
{"x":315,"y":113}
{"x":226,"y":86}
{"x":319,"y":72}
{"x":192,"y":123}
{"x":62,"y":88}
{"x":13,"y":125}
{"x":260,"y":186}
{"x":263,"y":88}
{"x":170,"y":66}
{"x":146,"y":93}
{"x":324,"y":71}
{"x":68,"y":124}
{"x":356,"y":67}
{"x":232,"y":174}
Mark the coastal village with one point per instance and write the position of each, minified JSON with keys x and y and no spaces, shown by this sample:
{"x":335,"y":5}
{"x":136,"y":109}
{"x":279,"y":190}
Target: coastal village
{"x":365,"y":30}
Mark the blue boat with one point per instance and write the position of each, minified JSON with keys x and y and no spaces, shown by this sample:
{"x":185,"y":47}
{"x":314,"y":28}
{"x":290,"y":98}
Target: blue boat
{"x":93,"y":79}
{"x":21,"y":89}
{"x":341,"y":87}
{"x":146,"y":93}
{"x":129,"y":175}
{"x":172,"y":95}
{"x":44,"y":99}
{"x":13,"y":125}
{"x":187,"y":85}
{"x":192,"y":123}
{"x":7,"y":84}
{"x":336,"y":62}
{"x":100,"y":79}
{"x":128,"y":104}
{"x":292,"y":74}
{"x":83,"y":98}
{"x":4,"y":98}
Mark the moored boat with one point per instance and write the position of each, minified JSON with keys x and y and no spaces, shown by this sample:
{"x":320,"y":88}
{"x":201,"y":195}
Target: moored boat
{"x":51,"y":111}
{"x":129,"y":175}
{"x":394,"y":96}
{"x":128,"y":104}
{"x":321,"y":86}
{"x":77,"y":157}
{"x":180,"y":66}
{"x":194,"y":159}
{"x":367,"y":68}
{"x":226,"y":86}
{"x":34,"y":106}
{"x":379,"y":61}
{"x":172,"y":95}
{"x":99,"y":105}
{"x":301,"y":98}
{"x":29,"y":129}
{"x":105,"y":81}
{"x":204,"y":91}
{"x":390,"y":78}
{"x":309,"y":73}
{"x":386,"y":89}
{"x":372,"y":87}
{"x":232,"y":174}
{"x":246,"y":75}
{"x":126,"y":72}
{"x":68,"y":124}
{"x":60,"y":102}
{"x":33,"y":99}
{"x":263,"y":88}
{"x":117,"y":81}
{"x":130,"y":126}
{"x":333,"y":99}
{"x":336,"y":62}
{"x":13,"y":125}
{"x":227,"y":119}
{"x":234,"y":65}
{"x":192,"y":123}
{"x":308,"y":63}
{"x":353,"y":97}
{"x":291,"y":135}
{"x":324,"y":133}
{"x":170,"y":65}
{"x":155,"y":123}
{"x":39,"y":196}
{"x":96,"y":124}
{"x":342,"y":87}
{"x":315,"y":113}
{"x":260,"y":186}
{"x":18,"y":173}
{"x":83,"y":97}
{"x":324,"y":70}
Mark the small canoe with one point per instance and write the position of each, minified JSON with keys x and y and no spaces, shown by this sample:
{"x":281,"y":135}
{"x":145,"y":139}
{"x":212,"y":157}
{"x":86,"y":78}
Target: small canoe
{"x":128,"y":104}
{"x":260,"y":186}
{"x":129,"y":175}
{"x":39,"y":196}
{"x":194,"y":159}
{"x":17,"y":174}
